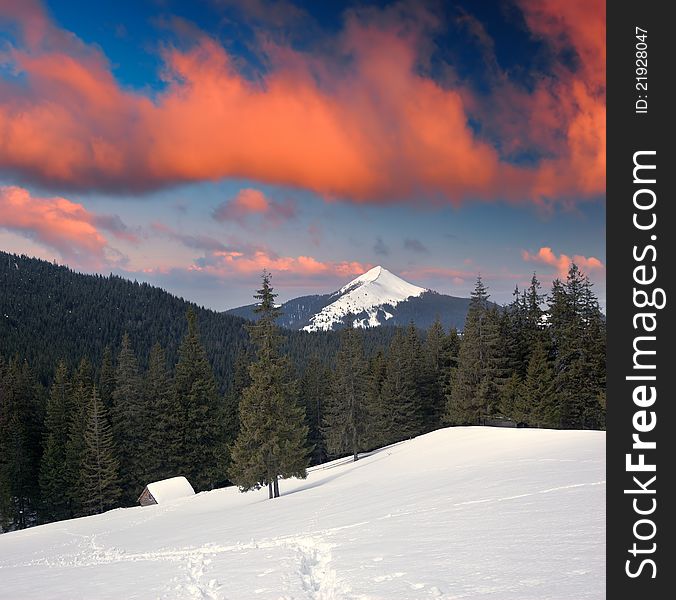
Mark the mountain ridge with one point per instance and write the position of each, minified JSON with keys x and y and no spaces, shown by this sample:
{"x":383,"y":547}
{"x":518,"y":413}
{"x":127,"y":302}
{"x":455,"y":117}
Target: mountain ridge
{"x":374,"y":298}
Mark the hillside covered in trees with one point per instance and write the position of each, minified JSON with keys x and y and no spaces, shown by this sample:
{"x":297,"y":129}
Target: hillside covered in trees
{"x":50,"y":313}
{"x":87,"y":421}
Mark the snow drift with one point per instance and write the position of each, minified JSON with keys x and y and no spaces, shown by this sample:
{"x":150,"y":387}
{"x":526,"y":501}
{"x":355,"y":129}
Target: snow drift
{"x":477,"y":513}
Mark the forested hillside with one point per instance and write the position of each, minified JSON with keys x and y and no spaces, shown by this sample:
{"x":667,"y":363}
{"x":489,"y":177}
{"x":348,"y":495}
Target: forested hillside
{"x":106,"y":385}
{"x":50,"y":313}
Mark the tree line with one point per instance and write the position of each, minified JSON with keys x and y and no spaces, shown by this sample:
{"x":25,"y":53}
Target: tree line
{"x":95,"y":436}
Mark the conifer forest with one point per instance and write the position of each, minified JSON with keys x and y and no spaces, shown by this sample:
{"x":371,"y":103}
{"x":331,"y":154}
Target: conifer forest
{"x":92,"y":412}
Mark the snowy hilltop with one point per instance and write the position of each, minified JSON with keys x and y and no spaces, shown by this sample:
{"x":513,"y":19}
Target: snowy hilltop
{"x":367,"y":295}
{"x":377,"y":297}
{"x":465,"y":512}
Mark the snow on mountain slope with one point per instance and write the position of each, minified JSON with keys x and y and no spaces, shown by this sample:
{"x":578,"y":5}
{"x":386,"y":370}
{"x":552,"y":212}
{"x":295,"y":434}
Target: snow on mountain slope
{"x":368,"y":294}
{"x":475,"y":513}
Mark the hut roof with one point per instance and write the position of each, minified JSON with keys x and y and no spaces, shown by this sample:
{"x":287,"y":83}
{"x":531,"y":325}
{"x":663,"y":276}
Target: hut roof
{"x":170,"y":489}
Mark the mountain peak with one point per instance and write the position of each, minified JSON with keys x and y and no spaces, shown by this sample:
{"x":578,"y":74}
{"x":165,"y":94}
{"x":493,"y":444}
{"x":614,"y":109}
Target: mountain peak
{"x":364,"y":297}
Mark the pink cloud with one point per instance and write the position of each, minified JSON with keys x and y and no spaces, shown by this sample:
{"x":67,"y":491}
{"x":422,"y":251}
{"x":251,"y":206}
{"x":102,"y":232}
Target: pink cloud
{"x":252,"y":202}
{"x":230,"y":262}
{"x":63,"y":225}
{"x":373,"y":128}
{"x":562,"y":263}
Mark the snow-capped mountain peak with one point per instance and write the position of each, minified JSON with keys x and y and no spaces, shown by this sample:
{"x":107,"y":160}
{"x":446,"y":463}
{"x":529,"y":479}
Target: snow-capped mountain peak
{"x":365,"y":297}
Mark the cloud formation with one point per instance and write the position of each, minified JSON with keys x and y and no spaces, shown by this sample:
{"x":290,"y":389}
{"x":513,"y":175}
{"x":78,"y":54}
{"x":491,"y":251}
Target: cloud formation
{"x":562,"y":263}
{"x":415,"y":245}
{"x":380,"y":247}
{"x":361,"y":122}
{"x":250,"y":202}
{"x":62,"y":225}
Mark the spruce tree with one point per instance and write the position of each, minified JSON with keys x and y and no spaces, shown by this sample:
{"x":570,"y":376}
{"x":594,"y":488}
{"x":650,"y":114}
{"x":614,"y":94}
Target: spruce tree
{"x":240,"y":381}
{"x":54,"y":479}
{"x":199,"y":443}
{"x":21,"y":417}
{"x":402,"y":386}
{"x":130,"y":423}
{"x":434,"y":371}
{"x":465,"y":405}
{"x":315,"y":385}
{"x":107,"y":378}
{"x":512,"y":403}
{"x":379,"y":419}
{"x":80,"y":391}
{"x":272,"y":440}
{"x":539,"y":390}
{"x":577,"y":331}
{"x":99,"y":479}
{"x":160,"y":412}
{"x":346,"y":417}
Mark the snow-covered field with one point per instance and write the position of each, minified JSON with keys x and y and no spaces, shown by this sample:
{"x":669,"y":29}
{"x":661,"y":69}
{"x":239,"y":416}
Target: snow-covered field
{"x":479,"y":513}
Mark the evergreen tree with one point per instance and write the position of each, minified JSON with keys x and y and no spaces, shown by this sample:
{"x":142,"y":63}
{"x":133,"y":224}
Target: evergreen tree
{"x":80,"y":391}
{"x":512,"y":402}
{"x":434,"y":371}
{"x":107,"y":378}
{"x":273,"y":434}
{"x":21,"y":416}
{"x":241,"y":380}
{"x":200,"y":430}
{"x":314,"y":391}
{"x":465,"y":404}
{"x":402,"y":386}
{"x":160,"y":411}
{"x":54,"y":479}
{"x":515,"y":334}
{"x":130,"y":423}
{"x":577,"y":330}
{"x":345,"y":420}
{"x":539,"y":390}
{"x":99,"y":481}
{"x":379,"y":419}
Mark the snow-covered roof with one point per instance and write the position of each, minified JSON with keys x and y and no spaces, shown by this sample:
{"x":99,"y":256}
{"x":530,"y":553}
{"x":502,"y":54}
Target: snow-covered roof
{"x":170,"y":489}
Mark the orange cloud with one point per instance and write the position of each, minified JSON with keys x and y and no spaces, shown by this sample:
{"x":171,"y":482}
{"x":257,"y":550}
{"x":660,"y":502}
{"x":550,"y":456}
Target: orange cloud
{"x":562,"y":263}
{"x":229,"y":262}
{"x":63,"y":225}
{"x":250,"y":202}
{"x":372,"y":129}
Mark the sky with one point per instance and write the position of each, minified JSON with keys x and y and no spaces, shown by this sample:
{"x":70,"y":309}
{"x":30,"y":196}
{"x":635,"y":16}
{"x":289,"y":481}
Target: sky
{"x":194,"y":144}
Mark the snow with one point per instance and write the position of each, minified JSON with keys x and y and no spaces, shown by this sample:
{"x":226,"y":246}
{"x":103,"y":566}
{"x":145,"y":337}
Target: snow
{"x":170,"y":489}
{"x":476,"y":513}
{"x":367,"y":293}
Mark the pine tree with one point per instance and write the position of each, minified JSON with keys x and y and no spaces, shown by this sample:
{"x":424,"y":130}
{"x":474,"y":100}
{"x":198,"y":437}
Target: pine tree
{"x":241,"y":380}
{"x":539,"y":390}
{"x":200,"y":438}
{"x":314,"y":392}
{"x":21,"y":416}
{"x":577,"y":330}
{"x":402,"y":386}
{"x":54,"y":479}
{"x":512,"y":402}
{"x":434,"y":371}
{"x":160,"y":412}
{"x":80,"y":391}
{"x":345,"y":420}
{"x":379,"y":419}
{"x":514,"y":331}
{"x":99,"y":480}
{"x":107,"y":378}
{"x":465,"y":404}
{"x":130,"y":423}
{"x":273,"y":434}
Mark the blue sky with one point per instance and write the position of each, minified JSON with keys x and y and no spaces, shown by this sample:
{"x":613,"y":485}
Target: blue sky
{"x":193,"y":144}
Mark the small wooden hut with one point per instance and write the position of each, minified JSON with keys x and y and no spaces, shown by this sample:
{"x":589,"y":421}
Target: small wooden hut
{"x":160,"y":492}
